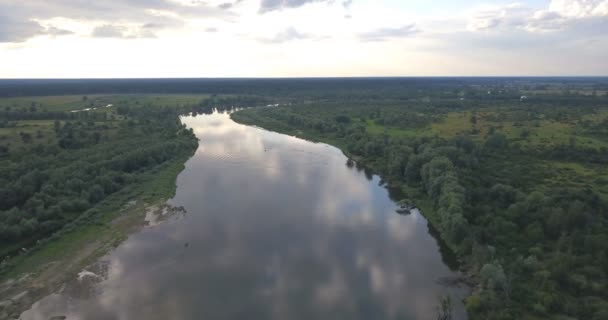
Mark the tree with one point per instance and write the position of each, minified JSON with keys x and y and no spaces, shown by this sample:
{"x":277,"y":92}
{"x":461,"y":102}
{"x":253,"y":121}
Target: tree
{"x":496,"y":141}
{"x":25,"y":137}
{"x":96,"y":194}
{"x":493,"y":276}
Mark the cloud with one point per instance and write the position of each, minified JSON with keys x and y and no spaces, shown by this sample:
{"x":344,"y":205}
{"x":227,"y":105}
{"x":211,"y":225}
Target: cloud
{"x":229,"y":5}
{"x":513,"y":15}
{"x":276,"y":5}
{"x":124,"y":32}
{"x":558,"y":16}
{"x":110,"y":10}
{"x":287,"y":35}
{"x":572,"y":33}
{"x":14,"y":30}
{"x":54,"y":31}
{"x":109,"y":31}
{"x":389,"y":33}
{"x":580,"y":8}
{"x":19,"y":20}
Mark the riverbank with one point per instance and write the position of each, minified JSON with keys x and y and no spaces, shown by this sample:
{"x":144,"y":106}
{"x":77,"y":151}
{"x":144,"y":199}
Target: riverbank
{"x":419,"y":197}
{"x":421,"y":200}
{"x":43,"y":269}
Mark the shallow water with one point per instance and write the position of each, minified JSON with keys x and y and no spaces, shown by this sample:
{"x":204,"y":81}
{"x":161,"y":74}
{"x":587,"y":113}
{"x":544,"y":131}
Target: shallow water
{"x":274,"y":227}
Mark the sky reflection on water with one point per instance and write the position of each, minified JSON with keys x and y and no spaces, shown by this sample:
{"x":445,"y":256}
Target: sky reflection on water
{"x":276,"y":228}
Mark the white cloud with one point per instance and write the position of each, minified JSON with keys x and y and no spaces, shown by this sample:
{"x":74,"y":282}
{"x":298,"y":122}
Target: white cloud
{"x":509,"y":16}
{"x":558,"y":16}
{"x":21,"y":20}
{"x":380,"y":38}
{"x":580,"y":8}
{"x":289,"y":34}
{"x":275,"y":5}
{"x":389,"y":33}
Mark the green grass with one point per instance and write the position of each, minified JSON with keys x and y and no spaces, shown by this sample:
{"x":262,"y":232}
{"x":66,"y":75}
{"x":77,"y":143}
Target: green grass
{"x":541,"y":133}
{"x":154,"y":99}
{"x":11,"y":136}
{"x":376,"y":129}
{"x":76,"y":102}
{"x":50,"y":103}
{"x":579,"y":175}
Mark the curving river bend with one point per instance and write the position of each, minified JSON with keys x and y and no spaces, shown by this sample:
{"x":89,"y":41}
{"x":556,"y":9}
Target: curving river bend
{"x":274,"y":227}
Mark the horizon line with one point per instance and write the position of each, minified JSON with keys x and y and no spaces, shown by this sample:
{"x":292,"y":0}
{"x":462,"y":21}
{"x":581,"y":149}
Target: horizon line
{"x":310,"y":77}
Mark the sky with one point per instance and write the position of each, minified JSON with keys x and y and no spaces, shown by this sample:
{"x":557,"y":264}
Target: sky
{"x":302,"y":38}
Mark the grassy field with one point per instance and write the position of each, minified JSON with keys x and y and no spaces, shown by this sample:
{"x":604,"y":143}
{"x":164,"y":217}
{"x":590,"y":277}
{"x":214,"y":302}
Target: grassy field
{"x":526,"y":133}
{"x":374,"y":128}
{"x":26,"y":133}
{"x":39,"y":131}
{"x":540,"y":133}
{"x":72,"y":102}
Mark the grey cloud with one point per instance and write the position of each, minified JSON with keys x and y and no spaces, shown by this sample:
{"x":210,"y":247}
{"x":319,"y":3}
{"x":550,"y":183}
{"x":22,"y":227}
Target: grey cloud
{"x":17,"y":25}
{"x":228,"y":5}
{"x":211,"y":29}
{"x":162,"y":23}
{"x":54,"y":31}
{"x":109,"y":31}
{"x":120,"y":31}
{"x":389,"y":33}
{"x":275,"y":5}
{"x":289,"y":34}
{"x":110,"y":10}
{"x":549,"y":35}
{"x":153,"y":25}
{"x":15,"y":30}
{"x":347,"y":3}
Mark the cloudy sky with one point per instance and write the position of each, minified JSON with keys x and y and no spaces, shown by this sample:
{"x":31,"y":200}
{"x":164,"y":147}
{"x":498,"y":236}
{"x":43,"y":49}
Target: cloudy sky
{"x":293,"y":38}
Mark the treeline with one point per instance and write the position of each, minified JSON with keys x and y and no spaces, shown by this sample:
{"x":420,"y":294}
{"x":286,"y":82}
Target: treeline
{"x":305,"y":88}
{"x":205,"y":106}
{"x":537,"y":249}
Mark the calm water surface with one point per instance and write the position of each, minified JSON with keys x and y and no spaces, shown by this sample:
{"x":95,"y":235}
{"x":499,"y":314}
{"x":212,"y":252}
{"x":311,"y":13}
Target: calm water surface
{"x":275,"y":228}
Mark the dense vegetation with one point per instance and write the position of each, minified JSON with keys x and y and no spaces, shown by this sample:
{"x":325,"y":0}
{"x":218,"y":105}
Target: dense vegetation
{"x":514,"y":177}
{"x":61,"y":156}
{"x":511,"y":171}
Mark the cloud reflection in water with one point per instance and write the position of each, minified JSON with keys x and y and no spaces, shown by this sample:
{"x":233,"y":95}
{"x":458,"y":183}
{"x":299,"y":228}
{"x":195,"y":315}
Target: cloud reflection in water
{"x":277,"y":228}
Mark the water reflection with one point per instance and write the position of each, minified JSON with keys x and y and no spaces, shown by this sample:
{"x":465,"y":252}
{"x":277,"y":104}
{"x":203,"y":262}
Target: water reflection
{"x":277,"y":228}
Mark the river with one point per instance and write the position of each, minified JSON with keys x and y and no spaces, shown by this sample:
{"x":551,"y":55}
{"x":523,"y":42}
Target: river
{"x":272,"y":227}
